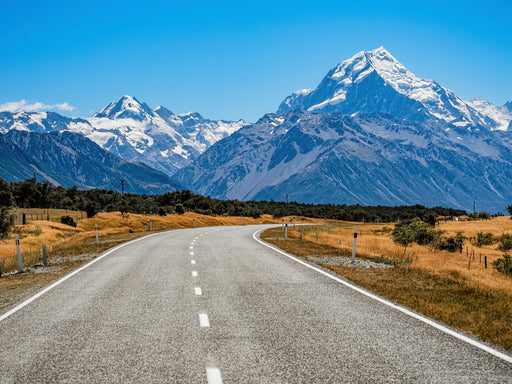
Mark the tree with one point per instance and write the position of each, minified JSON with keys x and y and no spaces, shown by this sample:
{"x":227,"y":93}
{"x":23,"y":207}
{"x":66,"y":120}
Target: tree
{"x":403,"y":235}
{"x":179,"y":209}
{"x":509,"y":209}
{"x":5,"y":194}
{"x":4,"y":222}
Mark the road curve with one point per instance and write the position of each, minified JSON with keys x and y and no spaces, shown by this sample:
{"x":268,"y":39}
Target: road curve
{"x":214,"y":305}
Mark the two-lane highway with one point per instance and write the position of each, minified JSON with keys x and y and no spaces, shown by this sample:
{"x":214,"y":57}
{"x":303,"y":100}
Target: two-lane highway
{"x":214,"y":305}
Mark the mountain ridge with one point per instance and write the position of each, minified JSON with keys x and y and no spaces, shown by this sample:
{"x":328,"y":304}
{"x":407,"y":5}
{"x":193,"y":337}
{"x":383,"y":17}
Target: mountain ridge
{"x":374,"y":81}
{"x":66,"y":158}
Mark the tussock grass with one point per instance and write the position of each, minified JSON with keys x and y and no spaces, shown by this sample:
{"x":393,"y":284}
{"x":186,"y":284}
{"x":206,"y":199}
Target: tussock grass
{"x":437,"y":283}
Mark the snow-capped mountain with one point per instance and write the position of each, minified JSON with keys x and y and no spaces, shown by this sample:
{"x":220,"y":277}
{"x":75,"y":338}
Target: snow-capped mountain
{"x":375,"y":81}
{"x":65,"y":158}
{"x":368,"y":159}
{"x":133,"y":131}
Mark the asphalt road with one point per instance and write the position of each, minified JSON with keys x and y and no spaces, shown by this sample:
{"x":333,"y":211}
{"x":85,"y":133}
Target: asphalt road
{"x":212,"y":305}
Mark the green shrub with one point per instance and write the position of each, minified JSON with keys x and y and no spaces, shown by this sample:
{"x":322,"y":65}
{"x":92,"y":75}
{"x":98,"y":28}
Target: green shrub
{"x":486,"y":238}
{"x":179,"y":209}
{"x":68,"y":220}
{"x":450,"y":244}
{"x":505,"y":242}
{"x":503,"y":264}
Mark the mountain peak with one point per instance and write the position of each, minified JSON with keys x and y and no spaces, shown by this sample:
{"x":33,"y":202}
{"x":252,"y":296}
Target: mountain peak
{"x":163,"y":112}
{"x":126,"y":107}
{"x":375,"y":81}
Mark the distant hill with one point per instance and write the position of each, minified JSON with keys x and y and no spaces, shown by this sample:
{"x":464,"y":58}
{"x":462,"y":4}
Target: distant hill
{"x":66,"y":158}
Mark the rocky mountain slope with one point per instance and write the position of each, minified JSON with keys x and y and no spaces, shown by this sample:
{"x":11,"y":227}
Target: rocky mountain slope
{"x":370,"y":133}
{"x":67,"y":159}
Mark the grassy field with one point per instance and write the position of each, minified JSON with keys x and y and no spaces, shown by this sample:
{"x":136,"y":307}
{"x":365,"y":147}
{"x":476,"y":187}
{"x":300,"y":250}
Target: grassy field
{"x":454,"y":288}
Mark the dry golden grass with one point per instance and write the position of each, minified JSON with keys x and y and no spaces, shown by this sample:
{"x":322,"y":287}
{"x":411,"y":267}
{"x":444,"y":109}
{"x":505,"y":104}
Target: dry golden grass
{"x":440,"y":284}
{"x":373,"y":242}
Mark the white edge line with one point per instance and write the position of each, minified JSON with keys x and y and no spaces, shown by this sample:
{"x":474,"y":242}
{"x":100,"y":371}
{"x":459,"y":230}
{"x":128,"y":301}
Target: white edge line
{"x":71,"y":274}
{"x":417,"y":316}
{"x":213,"y":376}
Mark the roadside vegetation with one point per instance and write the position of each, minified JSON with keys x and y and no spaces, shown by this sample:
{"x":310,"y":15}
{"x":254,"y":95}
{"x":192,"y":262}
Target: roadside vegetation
{"x":438,"y":270}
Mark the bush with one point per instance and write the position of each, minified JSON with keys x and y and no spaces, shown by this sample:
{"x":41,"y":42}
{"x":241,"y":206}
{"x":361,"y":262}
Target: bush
{"x":450,"y":244}
{"x":505,"y":242}
{"x":68,"y":220}
{"x":486,"y":238}
{"x":161,"y":212}
{"x":90,"y":209}
{"x":503,"y":264}
{"x":179,"y":209}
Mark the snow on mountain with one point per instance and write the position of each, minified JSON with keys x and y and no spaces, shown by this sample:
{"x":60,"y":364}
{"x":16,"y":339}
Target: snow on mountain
{"x":375,"y":81}
{"x":125,"y":107}
{"x":365,"y":159}
{"x":502,"y":115}
{"x":133,"y":131}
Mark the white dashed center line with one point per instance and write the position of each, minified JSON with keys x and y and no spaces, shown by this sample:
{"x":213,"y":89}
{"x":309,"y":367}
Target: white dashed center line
{"x":203,"y":320}
{"x":213,"y":376}
{"x":198,"y":291}
{"x":192,"y":261}
{"x":194,"y":273}
{"x":191,"y":253}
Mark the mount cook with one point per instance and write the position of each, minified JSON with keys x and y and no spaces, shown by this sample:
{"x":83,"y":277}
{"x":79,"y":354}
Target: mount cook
{"x":370,"y":133}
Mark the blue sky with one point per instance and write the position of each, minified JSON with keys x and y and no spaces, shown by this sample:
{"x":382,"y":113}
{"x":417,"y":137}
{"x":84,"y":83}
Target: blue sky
{"x":238,"y":59}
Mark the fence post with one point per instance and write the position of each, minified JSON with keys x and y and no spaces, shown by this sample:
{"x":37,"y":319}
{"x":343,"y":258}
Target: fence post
{"x":193,"y":222}
{"x":45,"y":255}
{"x":354,"y":246}
{"x":20,"y":262}
{"x":485,"y":261}
{"x":96,"y":228}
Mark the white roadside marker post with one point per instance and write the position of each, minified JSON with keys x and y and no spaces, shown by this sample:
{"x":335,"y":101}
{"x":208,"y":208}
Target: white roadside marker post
{"x":354,"y":247}
{"x":282,"y":223}
{"x":20,"y":262}
{"x":286,"y":230}
{"x":96,"y":228}
{"x":193,"y":222}
{"x":150,"y":225}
